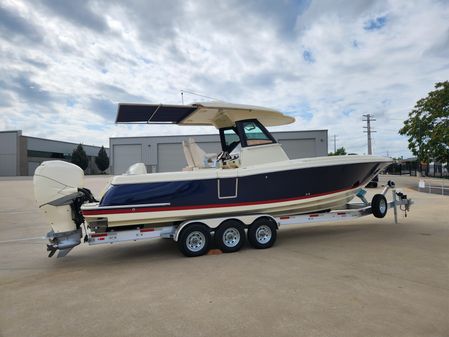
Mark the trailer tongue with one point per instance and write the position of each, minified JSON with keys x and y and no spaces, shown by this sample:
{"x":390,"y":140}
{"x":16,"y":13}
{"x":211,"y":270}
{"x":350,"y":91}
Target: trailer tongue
{"x":59,"y":192}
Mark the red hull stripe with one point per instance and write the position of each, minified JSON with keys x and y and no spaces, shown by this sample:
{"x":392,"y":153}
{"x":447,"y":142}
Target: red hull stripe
{"x":97,"y":235}
{"x":178,"y":208}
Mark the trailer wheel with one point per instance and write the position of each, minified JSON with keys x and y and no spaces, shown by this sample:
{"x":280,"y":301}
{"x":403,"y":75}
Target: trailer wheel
{"x":194,"y":240}
{"x":262,"y":233}
{"x":230,"y":236}
{"x":379,"y":205}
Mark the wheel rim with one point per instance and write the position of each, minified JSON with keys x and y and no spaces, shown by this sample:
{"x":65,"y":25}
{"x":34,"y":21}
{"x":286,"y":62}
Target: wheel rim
{"x":196,"y":241}
{"x":231,"y":237}
{"x":263,"y":234}
{"x":382,"y":206}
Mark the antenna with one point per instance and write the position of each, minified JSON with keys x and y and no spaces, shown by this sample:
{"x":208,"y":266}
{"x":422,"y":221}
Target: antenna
{"x":196,"y":94}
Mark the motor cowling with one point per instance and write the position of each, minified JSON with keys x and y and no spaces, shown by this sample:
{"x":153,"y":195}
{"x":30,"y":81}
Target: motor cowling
{"x":54,"y":180}
{"x":59,"y":193}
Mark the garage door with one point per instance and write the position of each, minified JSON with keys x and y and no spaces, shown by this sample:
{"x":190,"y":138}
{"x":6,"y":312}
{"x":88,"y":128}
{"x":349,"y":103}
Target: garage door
{"x":32,"y":166}
{"x":210,"y":147}
{"x":125,"y":156}
{"x":299,"y":148}
{"x":171,"y":156}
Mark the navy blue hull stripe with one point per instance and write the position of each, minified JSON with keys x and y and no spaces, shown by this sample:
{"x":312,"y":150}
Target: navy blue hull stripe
{"x":161,"y":209}
{"x":251,"y":190}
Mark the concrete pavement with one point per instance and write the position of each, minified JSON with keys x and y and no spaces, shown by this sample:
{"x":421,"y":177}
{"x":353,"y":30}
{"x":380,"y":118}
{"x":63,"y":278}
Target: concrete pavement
{"x":367,"y":277}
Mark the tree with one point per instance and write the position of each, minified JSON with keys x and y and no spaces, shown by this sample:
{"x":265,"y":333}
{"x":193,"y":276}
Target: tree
{"x":79,"y":157}
{"x":102,"y":160}
{"x":339,"y":152}
{"x":427,"y":127}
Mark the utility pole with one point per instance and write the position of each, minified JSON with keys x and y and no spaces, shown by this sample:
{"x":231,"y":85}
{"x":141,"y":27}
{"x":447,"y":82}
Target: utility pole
{"x":335,"y":143}
{"x":368,"y":119}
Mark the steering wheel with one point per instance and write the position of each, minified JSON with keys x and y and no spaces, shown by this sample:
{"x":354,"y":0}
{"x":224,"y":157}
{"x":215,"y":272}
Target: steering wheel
{"x":222,"y":155}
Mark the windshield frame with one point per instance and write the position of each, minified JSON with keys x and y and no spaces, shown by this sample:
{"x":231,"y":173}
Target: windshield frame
{"x":239,"y":130}
{"x":243,"y":137}
{"x":231,"y":146}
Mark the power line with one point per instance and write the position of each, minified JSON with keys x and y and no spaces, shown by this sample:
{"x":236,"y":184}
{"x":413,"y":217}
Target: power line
{"x":368,"y":120}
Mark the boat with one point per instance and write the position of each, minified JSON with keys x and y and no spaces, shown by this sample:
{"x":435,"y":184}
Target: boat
{"x":251,"y":175}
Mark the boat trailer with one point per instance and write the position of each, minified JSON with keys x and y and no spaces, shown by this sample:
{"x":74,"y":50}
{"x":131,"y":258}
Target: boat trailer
{"x":194,"y":236}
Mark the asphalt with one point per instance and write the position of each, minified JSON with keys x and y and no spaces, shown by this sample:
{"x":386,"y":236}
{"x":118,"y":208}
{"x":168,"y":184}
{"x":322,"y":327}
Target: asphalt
{"x":365,"y":277}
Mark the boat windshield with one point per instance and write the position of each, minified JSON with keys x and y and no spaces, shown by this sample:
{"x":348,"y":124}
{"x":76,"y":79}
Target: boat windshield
{"x":249,"y":132}
{"x":254,"y":135}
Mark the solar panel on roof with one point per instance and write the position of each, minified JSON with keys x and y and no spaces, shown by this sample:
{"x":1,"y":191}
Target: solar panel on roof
{"x":152,"y":113}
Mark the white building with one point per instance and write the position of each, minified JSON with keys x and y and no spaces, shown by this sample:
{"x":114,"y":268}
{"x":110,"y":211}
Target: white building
{"x":20,"y":155}
{"x":165,"y":153}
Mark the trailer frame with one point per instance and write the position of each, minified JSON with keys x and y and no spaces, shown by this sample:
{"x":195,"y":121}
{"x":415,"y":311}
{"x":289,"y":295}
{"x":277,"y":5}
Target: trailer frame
{"x":353,"y":210}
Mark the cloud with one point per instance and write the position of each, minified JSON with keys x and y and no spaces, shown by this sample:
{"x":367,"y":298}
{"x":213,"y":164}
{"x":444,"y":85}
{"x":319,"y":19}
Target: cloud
{"x":152,"y":21}
{"x":103,"y":107}
{"x":35,"y":63}
{"x":118,"y":94}
{"x":308,"y":56}
{"x":5,"y":99}
{"x":440,"y":46}
{"x":376,"y":23}
{"x":15,"y":27}
{"x":26,"y":89}
{"x":67,"y":64}
{"x":282,"y":15}
{"x":79,"y":13}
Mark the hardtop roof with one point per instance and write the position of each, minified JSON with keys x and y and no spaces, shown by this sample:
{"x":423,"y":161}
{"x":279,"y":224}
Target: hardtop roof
{"x":218,"y":114}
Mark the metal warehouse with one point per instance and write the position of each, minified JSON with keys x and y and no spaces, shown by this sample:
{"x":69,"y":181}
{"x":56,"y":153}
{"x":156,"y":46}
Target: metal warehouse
{"x":20,"y":155}
{"x":165,"y":153}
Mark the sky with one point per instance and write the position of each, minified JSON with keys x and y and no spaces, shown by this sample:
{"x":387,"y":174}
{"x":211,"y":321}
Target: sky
{"x":65,"y":65}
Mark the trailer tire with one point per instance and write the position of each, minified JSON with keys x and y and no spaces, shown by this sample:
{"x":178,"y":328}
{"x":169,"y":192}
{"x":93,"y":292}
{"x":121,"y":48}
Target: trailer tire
{"x":262,"y":233}
{"x":379,"y":205}
{"x":230,"y":236}
{"x":194,"y":240}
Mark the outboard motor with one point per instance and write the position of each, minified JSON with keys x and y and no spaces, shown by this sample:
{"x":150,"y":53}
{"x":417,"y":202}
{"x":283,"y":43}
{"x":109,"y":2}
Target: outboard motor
{"x":59,"y":192}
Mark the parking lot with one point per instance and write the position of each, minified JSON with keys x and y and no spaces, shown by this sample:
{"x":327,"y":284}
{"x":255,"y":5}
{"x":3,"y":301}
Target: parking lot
{"x":366,"y":277}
